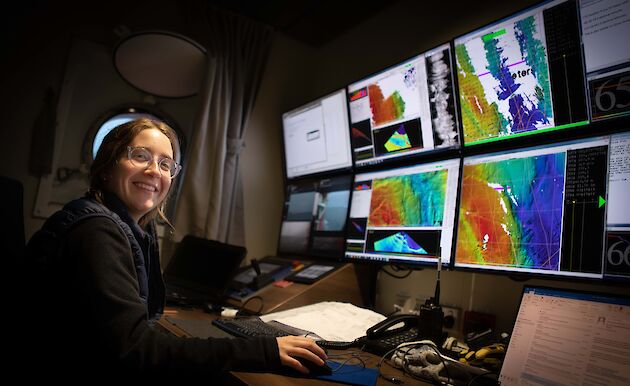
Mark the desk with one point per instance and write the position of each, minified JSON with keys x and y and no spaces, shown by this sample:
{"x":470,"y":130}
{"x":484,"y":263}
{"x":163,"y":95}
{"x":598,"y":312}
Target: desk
{"x":341,"y":285}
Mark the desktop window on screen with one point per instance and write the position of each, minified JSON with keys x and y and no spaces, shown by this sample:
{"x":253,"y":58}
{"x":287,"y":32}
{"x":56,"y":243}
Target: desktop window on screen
{"x":605,"y":30}
{"x":317,"y":137}
{"x":565,"y":337}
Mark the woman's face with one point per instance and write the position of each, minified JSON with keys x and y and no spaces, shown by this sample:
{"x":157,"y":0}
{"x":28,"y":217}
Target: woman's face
{"x":142,"y":188}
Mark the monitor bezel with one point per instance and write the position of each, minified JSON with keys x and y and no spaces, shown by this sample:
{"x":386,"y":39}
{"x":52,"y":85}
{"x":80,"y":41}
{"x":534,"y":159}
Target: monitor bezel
{"x":309,"y":255}
{"x":334,"y":171}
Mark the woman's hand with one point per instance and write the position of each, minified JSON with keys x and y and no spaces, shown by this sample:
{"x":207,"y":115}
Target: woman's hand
{"x":292,"y":347}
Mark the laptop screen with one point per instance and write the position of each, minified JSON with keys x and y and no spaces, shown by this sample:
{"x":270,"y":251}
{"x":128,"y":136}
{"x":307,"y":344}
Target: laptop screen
{"x":203,"y":267}
{"x":567,"y":337}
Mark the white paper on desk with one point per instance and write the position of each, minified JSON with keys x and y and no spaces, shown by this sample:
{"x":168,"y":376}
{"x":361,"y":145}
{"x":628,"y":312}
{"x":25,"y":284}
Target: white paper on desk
{"x":333,"y":321}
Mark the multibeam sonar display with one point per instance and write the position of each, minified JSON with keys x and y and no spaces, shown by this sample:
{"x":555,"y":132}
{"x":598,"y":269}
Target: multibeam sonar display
{"x":398,"y":141}
{"x":397,"y":138}
{"x":442,"y":98}
{"x":385,"y":109}
{"x":410,"y":200}
{"x":504,"y":80}
{"x":405,"y":109}
{"x":399,"y":242}
{"x":522,"y":75}
{"x":511,"y":212}
{"x":540,"y":210}
{"x":404,"y":215}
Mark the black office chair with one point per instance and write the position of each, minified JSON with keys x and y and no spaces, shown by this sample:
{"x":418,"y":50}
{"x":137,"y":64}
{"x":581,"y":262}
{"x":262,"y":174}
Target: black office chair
{"x":12,"y":238}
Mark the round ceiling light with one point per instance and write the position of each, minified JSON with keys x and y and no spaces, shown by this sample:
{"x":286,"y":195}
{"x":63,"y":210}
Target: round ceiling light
{"x":163,"y":64}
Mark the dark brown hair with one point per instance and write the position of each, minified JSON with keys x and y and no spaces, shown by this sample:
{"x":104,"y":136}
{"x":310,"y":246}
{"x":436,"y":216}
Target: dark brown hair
{"x":114,"y":146}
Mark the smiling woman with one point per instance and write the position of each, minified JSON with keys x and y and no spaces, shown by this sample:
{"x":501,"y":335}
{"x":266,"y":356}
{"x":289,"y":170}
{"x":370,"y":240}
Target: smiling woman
{"x":143,"y":190}
{"x":97,"y":260}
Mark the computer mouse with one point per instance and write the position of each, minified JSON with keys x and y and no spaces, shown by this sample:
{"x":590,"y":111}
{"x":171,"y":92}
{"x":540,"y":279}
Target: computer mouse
{"x":314,"y":369}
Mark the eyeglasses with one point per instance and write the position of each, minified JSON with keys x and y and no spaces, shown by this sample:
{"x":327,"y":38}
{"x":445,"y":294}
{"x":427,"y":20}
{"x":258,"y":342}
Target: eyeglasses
{"x":142,"y":158}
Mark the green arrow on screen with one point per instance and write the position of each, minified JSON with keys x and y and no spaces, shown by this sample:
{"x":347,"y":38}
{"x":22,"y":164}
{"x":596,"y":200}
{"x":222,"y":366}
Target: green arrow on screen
{"x":601,"y":201}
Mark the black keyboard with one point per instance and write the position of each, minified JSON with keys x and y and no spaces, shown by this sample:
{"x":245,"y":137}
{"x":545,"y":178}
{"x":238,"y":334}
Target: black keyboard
{"x":248,"y":327}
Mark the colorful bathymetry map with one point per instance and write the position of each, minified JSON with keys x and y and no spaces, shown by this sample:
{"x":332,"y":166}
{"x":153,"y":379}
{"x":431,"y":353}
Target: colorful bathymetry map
{"x":394,"y":97}
{"x":504,"y":81}
{"x":385,"y":109}
{"x":410,"y":200}
{"x":511,"y":213}
{"x":399,"y":242}
{"x":399,"y":140}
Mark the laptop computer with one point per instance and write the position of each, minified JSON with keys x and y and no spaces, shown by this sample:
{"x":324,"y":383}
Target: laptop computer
{"x":200,"y":271}
{"x":569,"y":337}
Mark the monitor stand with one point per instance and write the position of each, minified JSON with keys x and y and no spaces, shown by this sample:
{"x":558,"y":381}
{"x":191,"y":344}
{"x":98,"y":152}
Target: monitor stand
{"x":366,"y":275}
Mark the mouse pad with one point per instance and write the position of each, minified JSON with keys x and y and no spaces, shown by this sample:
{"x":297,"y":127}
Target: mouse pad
{"x":350,"y":374}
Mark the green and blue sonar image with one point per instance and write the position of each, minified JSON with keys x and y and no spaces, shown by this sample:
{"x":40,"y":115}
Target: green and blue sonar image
{"x":399,"y":242}
{"x":398,"y":141}
{"x":409,"y":202}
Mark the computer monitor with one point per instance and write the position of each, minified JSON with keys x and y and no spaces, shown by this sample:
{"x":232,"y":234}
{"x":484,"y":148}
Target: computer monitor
{"x":540,"y":210}
{"x":568,"y":337}
{"x":522,"y":75}
{"x":605,"y":31}
{"x":314,"y":217}
{"x":617,"y":256}
{"x":404,"y":110}
{"x":317,"y":137}
{"x":404,"y":215}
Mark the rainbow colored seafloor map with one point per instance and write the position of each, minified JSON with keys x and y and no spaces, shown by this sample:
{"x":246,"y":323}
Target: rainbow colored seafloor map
{"x":385,"y":109}
{"x":511,"y":213}
{"x":411,"y":200}
{"x":504,"y":81}
{"x":399,"y":242}
{"x":394,"y":95}
{"x":398,"y":141}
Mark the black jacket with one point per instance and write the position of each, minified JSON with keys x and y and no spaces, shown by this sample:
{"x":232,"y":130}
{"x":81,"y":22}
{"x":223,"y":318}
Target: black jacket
{"x":95,"y":295}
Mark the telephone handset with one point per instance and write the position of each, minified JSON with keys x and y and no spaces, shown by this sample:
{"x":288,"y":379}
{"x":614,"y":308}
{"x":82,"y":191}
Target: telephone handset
{"x":388,"y":334}
{"x":383,"y":336}
{"x":391,"y":326}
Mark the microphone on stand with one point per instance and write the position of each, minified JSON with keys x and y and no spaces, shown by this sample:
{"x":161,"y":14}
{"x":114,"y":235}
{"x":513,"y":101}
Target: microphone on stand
{"x":261,"y":279}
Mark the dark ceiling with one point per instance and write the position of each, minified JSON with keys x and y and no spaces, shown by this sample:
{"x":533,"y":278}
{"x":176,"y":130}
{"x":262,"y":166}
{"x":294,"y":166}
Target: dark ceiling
{"x":314,"y":22}
{"x":36,"y":23}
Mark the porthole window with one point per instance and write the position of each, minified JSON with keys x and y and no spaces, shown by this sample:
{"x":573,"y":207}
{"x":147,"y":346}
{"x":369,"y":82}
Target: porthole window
{"x":114,"y":121}
{"x":117,"y":116}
